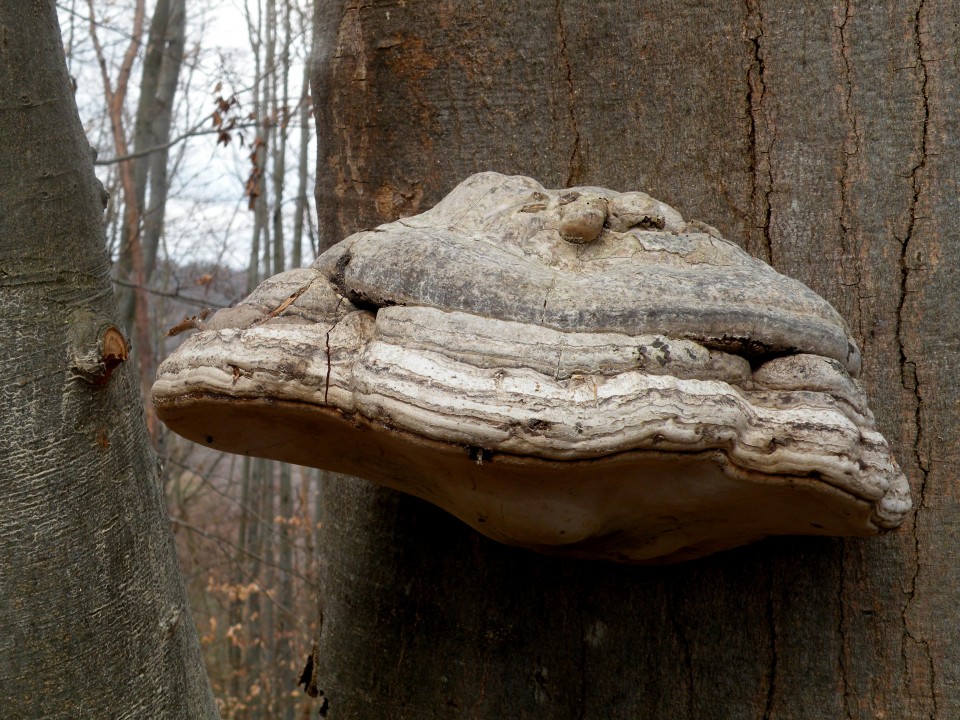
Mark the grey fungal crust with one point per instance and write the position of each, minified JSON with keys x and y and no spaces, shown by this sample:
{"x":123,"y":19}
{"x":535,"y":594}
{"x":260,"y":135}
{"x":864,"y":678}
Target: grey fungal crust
{"x":531,"y":361}
{"x":496,"y":247}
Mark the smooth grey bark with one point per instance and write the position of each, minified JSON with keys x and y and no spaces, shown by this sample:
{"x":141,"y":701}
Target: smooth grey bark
{"x":92,"y":605}
{"x":823,"y":139}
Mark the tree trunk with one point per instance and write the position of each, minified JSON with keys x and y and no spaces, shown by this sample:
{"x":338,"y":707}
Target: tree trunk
{"x":158,"y":119}
{"x":302,"y":202}
{"x":239,"y":678}
{"x":818,"y":136}
{"x":92,"y":605}
{"x":254,"y":657}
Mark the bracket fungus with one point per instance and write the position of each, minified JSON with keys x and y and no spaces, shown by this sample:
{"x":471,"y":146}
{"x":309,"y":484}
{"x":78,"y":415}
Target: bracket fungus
{"x":579,"y":372}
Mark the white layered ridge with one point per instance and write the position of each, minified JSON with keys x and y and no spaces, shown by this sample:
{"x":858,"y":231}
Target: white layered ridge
{"x":529,"y":391}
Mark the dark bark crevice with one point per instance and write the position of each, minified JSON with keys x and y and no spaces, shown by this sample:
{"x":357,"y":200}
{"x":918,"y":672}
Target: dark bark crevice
{"x":848,"y":234}
{"x":575,"y":173}
{"x":761,"y":174}
{"x":849,"y":692}
{"x":584,"y":675}
{"x":687,"y":674}
{"x":909,"y":374}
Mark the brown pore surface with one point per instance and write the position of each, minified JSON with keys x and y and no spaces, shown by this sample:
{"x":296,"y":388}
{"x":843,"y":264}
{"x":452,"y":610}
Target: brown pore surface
{"x":693,"y":504}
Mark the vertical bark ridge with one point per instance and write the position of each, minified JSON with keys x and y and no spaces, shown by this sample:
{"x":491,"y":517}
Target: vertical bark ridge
{"x":910,"y":378}
{"x":760,"y":172}
{"x":848,"y":235}
{"x":849,"y":692}
{"x":575,"y":173}
{"x":582,"y":659}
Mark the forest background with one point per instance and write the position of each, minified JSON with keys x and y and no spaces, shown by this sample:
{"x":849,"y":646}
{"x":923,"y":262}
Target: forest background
{"x":201,"y":118}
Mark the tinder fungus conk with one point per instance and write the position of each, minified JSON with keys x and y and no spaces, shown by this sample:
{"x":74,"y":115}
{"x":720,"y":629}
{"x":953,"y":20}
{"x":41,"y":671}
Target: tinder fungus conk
{"x":579,"y":372}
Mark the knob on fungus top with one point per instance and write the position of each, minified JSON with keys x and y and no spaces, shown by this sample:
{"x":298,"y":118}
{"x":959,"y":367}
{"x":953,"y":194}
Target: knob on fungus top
{"x":579,"y":372}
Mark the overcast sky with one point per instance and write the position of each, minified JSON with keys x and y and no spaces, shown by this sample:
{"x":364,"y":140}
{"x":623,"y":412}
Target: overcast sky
{"x":207,"y":216}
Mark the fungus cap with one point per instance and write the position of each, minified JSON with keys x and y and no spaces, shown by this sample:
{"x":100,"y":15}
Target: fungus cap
{"x":579,"y":372}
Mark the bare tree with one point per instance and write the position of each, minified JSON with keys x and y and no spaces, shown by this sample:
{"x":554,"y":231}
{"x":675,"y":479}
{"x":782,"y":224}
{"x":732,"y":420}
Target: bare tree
{"x":95,"y":618}
{"x":247,"y":592}
{"x":153,"y":125}
{"x":817,"y":135}
{"x":142,"y":154}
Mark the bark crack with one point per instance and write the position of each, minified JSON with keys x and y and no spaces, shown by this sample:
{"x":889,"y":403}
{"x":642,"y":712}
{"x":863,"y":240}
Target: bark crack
{"x":909,"y":376}
{"x":761,"y":189}
{"x":851,"y":274}
{"x":576,"y":157}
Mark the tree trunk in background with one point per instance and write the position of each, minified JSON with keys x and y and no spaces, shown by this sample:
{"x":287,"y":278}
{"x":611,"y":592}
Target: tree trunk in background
{"x":254,"y":657}
{"x":239,"y":679}
{"x":268,"y":583}
{"x":820,"y":138}
{"x":302,"y":203}
{"x":285,"y":670}
{"x":258,"y":157}
{"x":279,"y":110}
{"x":156,"y":115}
{"x":94,"y":618}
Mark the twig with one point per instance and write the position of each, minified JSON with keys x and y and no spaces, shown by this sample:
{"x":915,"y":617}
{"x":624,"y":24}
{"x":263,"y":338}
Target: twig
{"x":172,"y":295}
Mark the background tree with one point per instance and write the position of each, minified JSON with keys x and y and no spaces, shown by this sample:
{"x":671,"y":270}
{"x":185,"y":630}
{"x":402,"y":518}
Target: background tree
{"x":92,"y":605}
{"x":177,"y":97}
{"x":822,"y":138}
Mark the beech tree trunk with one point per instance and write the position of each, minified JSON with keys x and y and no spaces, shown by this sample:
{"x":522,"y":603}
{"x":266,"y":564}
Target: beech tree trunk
{"x":94,"y":618}
{"x":819,"y":136}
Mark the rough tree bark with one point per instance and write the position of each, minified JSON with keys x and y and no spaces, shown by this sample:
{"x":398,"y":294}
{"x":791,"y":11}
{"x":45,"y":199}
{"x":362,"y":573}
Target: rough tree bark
{"x":822,"y":138}
{"x":94,"y":615}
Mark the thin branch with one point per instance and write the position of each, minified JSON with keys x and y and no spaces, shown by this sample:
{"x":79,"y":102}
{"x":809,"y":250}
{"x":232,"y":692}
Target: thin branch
{"x":73,"y":13}
{"x":195,"y":131}
{"x":224,"y":541}
{"x":175,"y":296}
{"x":267,"y":527}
